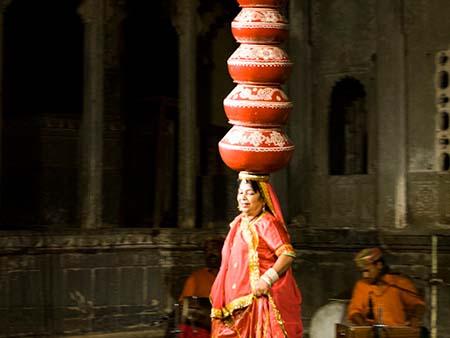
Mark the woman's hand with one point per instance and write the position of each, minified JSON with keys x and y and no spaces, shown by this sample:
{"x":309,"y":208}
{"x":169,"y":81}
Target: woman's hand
{"x":262,"y":288}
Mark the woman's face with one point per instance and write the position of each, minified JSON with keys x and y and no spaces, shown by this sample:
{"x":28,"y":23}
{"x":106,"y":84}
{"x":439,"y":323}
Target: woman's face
{"x":250,"y":202}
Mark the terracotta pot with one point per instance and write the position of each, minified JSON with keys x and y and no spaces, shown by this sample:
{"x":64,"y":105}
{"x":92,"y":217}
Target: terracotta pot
{"x":257,"y":106}
{"x":259,"y":64}
{"x":260,"y":25}
{"x":261,"y":3}
{"x":259,"y":150}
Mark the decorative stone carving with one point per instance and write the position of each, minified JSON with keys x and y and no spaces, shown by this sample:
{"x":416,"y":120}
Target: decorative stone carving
{"x":103,"y":240}
{"x":444,"y":198}
{"x":423,"y":197}
{"x":442,"y":117}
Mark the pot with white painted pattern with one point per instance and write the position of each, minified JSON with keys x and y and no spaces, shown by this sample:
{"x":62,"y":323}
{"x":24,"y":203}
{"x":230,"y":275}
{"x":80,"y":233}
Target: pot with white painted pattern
{"x":258,"y":150}
{"x":260,"y":25}
{"x":257,"y":106}
{"x":259,"y":64}
{"x":261,"y":3}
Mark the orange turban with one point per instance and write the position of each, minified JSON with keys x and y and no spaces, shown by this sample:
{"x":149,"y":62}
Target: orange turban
{"x":367,"y":256}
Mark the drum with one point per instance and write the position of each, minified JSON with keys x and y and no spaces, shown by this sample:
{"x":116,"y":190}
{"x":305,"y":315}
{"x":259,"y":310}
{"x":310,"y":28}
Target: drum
{"x":196,"y":312}
{"x":323,"y":322}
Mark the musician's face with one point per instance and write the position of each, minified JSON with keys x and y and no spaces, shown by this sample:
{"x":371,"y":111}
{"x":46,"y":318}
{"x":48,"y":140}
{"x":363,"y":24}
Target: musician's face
{"x":213,"y":253}
{"x":372,"y":271}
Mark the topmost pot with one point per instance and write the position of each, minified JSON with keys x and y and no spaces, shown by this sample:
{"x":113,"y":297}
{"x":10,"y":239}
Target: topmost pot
{"x":261,"y":3}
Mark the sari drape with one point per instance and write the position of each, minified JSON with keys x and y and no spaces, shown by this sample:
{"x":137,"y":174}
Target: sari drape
{"x":249,"y":250}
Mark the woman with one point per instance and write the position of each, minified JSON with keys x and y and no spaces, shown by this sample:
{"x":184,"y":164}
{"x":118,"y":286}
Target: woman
{"x":255,"y":294}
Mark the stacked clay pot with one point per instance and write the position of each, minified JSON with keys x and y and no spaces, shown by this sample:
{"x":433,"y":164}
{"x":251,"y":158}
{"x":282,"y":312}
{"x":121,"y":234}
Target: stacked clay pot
{"x":258,"y":107}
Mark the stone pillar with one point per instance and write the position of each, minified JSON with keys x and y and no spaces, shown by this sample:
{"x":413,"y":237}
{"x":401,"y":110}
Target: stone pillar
{"x":300,"y":120}
{"x":185,"y":23}
{"x":115,"y":14}
{"x":391,"y":99}
{"x":91,"y":130}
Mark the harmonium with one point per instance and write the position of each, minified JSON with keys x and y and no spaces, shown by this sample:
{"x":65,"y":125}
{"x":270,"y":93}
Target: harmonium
{"x":349,"y":331}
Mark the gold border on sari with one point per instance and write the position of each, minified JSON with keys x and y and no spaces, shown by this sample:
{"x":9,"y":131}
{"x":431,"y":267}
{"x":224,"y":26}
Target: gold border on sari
{"x":227,"y":310}
{"x":285,"y":249}
{"x":278,"y":315}
{"x":252,"y":240}
{"x":250,"y":235}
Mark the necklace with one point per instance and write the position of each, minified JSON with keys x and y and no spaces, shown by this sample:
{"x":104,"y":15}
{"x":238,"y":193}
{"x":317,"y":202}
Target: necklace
{"x":249,"y":219}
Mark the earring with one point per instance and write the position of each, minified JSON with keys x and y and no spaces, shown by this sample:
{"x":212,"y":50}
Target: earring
{"x":264,"y":208}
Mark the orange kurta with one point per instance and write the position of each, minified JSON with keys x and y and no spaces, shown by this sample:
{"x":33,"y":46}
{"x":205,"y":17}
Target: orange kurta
{"x":250,"y":250}
{"x":198,"y":284}
{"x":393,"y":299}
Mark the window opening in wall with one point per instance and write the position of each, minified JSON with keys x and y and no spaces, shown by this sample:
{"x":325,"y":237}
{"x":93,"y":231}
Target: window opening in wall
{"x":348,"y":128}
{"x":442,"y":92}
{"x":443,"y":79}
{"x":444,"y":121}
{"x":443,"y":100}
{"x":443,"y":59}
{"x":444,"y":162}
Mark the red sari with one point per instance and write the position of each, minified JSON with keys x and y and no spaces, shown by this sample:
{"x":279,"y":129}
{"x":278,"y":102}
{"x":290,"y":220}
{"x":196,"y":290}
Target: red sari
{"x":249,"y":250}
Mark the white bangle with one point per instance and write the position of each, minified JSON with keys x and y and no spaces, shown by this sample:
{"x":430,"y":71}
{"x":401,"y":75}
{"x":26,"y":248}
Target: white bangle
{"x":270,"y":275}
{"x":273,"y":274}
{"x":267,"y":280}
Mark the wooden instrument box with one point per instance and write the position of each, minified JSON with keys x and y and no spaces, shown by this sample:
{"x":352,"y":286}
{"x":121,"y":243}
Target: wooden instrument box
{"x":347,"y":331}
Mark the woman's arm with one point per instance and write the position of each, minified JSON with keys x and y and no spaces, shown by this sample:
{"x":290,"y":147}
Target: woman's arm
{"x":281,"y":265}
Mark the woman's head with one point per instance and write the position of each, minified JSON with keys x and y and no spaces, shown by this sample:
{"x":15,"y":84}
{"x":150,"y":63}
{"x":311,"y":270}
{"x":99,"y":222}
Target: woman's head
{"x":250,"y":198}
{"x":260,"y":184}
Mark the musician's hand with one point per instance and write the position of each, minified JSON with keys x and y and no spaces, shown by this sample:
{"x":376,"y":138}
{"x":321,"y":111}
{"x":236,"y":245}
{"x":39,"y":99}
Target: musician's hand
{"x":415,"y":322}
{"x":416,"y":317}
{"x":262,"y":288}
{"x":358,"y":319}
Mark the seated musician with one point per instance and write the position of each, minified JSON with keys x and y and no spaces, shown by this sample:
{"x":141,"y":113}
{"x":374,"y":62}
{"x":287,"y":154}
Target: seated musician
{"x":196,"y":291}
{"x":382,"y":297}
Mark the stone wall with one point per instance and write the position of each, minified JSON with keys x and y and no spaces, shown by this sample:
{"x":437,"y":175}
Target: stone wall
{"x":390,"y":48}
{"x":73,"y":284}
